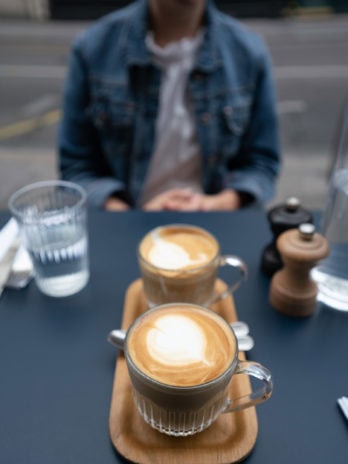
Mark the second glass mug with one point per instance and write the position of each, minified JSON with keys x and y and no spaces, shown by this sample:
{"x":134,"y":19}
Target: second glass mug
{"x":194,"y":283}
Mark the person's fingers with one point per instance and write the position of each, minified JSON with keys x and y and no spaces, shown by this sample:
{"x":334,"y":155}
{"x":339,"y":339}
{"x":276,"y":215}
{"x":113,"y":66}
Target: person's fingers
{"x":157,"y":202}
{"x":207,"y":204}
{"x":176,"y":199}
{"x":172,"y":204}
{"x":193,"y":204}
{"x":184,"y":203}
{"x":152,"y":206}
{"x":113,"y":205}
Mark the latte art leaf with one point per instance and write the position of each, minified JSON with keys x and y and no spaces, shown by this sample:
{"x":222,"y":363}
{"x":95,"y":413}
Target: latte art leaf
{"x":176,"y":341}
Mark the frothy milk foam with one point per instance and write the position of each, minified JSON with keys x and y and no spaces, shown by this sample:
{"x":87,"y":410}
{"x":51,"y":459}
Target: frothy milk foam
{"x":162,"y":341}
{"x":168,"y":255}
{"x":175,"y":248}
{"x":182,"y":346}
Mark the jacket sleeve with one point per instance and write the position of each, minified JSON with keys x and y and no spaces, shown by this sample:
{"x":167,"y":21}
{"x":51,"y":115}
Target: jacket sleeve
{"x":81,"y":158}
{"x":257,"y":164}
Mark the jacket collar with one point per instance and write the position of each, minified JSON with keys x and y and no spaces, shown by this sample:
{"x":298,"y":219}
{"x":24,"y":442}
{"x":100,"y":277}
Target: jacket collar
{"x":136,"y":52}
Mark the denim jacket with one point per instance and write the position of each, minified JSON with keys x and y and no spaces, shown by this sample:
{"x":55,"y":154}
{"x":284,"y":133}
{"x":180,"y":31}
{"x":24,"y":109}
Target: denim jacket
{"x":111,"y":101}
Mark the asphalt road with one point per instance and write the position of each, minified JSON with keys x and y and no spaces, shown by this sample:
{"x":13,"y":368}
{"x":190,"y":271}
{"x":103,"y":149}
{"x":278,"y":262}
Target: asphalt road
{"x":311,"y":74}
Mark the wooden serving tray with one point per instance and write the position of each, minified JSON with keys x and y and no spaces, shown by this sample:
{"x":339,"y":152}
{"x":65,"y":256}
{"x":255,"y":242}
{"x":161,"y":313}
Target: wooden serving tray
{"x":229,"y":439}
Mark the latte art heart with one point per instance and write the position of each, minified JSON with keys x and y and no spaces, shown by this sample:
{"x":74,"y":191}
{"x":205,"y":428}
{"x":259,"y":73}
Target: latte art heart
{"x":181,"y":345}
{"x":167,"y":255}
{"x":176,"y":248}
{"x":176,"y":341}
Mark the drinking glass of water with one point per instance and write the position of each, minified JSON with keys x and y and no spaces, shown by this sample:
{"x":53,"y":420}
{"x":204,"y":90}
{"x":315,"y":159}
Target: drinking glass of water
{"x":52,"y":219}
{"x":331,"y":274}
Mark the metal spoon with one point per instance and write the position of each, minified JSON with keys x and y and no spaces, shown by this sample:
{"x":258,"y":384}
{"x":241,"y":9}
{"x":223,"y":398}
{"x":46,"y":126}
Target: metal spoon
{"x":241,"y":330}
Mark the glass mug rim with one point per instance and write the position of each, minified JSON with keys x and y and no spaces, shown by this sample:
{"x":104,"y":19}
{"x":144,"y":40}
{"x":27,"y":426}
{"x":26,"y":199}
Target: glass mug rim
{"x":42,"y":185}
{"x":178,"y":388}
{"x":179,"y":272}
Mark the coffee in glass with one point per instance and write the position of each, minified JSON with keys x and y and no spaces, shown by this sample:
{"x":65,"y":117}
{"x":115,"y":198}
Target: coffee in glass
{"x":181,"y":359}
{"x":180,"y":262}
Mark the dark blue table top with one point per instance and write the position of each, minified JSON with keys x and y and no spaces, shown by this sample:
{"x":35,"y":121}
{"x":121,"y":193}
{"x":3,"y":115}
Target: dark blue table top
{"x":57,"y":369}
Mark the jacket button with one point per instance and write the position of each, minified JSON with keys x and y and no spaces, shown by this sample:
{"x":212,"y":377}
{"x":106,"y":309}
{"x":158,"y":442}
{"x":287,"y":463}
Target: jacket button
{"x":205,"y":118}
{"x":197,"y":75}
{"x":101,"y":119}
{"x":211,"y":160}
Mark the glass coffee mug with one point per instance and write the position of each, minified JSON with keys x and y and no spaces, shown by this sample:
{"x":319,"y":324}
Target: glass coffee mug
{"x":179,"y":262}
{"x":181,"y":359}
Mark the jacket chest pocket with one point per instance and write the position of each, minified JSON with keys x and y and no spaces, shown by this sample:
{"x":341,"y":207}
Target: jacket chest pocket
{"x":234,"y":119}
{"x":114,"y":121}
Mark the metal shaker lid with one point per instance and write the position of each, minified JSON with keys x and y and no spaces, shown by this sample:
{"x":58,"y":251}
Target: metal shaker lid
{"x":306,"y":231}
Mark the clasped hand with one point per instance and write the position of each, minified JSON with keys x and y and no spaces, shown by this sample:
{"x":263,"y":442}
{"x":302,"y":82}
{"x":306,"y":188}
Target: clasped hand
{"x":183,"y":199}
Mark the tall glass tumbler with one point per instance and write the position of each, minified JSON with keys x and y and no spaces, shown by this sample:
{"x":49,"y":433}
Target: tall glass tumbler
{"x":331,"y":274}
{"x":52,"y":219}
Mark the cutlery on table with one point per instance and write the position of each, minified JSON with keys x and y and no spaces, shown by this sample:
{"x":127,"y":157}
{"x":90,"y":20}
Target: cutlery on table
{"x":343,"y":404}
{"x":241,"y":330}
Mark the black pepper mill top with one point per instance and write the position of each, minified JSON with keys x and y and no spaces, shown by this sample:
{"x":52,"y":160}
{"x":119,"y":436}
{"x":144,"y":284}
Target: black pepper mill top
{"x":281,"y":218}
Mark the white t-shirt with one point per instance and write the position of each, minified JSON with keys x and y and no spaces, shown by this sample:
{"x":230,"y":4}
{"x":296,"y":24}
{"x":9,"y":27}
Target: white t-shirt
{"x":176,"y":160}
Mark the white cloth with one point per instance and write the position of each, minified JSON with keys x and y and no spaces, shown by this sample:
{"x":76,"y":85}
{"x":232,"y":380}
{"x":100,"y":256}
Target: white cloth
{"x":8,"y":235}
{"x":176,"y":159}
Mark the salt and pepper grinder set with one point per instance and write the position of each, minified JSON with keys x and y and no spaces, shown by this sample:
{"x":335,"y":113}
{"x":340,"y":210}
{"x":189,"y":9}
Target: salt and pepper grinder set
{"x":289,"y":258}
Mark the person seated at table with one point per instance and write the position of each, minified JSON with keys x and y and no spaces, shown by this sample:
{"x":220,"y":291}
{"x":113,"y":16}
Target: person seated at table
{"x":170,"y":105}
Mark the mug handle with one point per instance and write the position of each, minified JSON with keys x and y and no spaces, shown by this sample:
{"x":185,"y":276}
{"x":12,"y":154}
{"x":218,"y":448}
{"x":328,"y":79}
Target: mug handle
{"x":237,"y":263}
{"x":260,"y":372}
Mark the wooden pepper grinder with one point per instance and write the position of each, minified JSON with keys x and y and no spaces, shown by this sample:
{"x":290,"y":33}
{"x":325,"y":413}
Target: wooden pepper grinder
{"x":292,"y":290}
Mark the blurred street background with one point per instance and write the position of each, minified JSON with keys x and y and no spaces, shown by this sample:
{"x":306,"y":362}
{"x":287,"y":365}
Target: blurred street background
{"x":308,"y":43}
